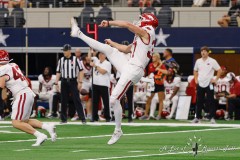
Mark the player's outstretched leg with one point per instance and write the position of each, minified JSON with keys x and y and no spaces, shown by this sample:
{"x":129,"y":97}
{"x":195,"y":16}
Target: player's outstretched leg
{"x":101,"y":47}
{"x":24,"y":126}
{"x":50,"y":128}
{"x":118,"y":59}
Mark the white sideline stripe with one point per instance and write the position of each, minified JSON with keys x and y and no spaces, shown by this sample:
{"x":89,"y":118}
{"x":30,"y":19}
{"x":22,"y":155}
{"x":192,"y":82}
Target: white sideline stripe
{"x":5,"y":126}
{"x":130,"y":134}
{"x":136,"y":151}
{"x":79,"y":151}
{"x":21,"y":150}
{"x":150,"y":155}
{"x":186,"y":124}
{"x":10,"y":132}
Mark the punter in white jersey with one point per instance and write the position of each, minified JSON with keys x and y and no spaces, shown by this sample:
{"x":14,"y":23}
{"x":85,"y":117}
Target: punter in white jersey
{"x":131,"y":70}
{"x":12,"y":78}
{"x":172,"y":85}
{"x":140,"y":92}
{"x":45,"y":92}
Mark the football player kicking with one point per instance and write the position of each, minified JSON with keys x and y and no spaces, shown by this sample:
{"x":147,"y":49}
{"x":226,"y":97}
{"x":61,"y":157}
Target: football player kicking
{"x":12,"y":78}
{"x":131,"y":69}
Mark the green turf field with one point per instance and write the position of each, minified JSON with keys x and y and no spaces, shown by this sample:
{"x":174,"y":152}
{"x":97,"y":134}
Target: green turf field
{"x":79,"y":142}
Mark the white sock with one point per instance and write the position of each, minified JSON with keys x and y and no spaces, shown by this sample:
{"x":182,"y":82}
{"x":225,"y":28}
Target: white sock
{"x":118,"y":115}
{"x":50,"y":101}
{"x":174,"y":107}
{"x":153,"y":106}
{"x":37,"y":134}
{"x":45,"y":126}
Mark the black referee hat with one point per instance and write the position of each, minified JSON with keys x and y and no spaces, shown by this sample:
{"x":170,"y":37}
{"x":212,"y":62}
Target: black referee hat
{"x":67,"y":47}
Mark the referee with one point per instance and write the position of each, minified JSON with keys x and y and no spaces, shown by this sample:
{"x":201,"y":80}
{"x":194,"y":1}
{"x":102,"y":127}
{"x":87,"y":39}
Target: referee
{"x":71,"y":75}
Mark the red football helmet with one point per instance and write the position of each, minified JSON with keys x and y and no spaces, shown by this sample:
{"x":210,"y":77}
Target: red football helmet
{"x":139,"y":112}
{"x":164,"y":114}
{"x":41,"y":112}
{"x":220,"y":114}
{"x":148,"y":19}
{"x":4,"y":57}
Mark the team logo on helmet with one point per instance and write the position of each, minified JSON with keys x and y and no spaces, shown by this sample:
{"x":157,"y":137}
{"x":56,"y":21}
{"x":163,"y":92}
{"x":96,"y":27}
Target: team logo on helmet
{"x":147,"y":19}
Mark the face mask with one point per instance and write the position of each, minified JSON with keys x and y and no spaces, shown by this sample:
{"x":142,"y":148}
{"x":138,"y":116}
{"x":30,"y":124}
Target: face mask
{"x":138,"y":22}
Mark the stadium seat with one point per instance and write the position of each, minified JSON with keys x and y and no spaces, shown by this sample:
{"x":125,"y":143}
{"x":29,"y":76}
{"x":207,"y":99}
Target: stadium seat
{"x":17,"y":18}
{"x":165,"y":17}
{"x":186,"y":3}
{"x":4,"y":13}
{"x":85,"y":17}
{"x":149,"y":10}
{"x":104,"y":14}
{"x":170,"y":3}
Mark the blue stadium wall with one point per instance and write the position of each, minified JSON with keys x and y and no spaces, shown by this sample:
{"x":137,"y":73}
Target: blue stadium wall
{"x":177,"y":38}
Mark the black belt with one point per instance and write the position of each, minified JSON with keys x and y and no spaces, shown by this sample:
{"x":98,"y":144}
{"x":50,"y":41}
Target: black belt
{"x":69,"y":79}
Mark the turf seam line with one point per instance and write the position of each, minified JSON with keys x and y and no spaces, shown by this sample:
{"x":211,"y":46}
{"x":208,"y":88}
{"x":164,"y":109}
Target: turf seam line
{"x":151,"y":155}
{"x":130,"y":134}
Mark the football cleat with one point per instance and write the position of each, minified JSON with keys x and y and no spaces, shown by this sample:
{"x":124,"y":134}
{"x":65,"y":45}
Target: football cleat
{"x":75,"y":118}
{"x":195,"y":120}
{"x":212,"y":121}
{"x":75,"y":30}
{"x":115,"y":137}
{"x":52,"y":132}
{"x":42,"y":138}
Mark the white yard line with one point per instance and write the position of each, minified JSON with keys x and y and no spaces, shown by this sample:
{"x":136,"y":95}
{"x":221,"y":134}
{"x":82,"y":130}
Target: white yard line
{"x":10,"y":132}
{"x":79,"y":151}
{"x":151,"y":155}
{"x":129,"y":134}
{"x":135,"y":151}
{"x":5,"y":126}
{"x":22,"y":150}
{"x":203,"y":124}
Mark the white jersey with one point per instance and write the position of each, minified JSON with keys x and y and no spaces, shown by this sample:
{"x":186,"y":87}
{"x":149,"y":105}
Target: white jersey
{"x":47,"y":85}
{"x":141,"y":53}
{"x":141,"y":86}
{"x":87,"y":70}
{"x":16,"y":82}
{"x":169,"y":87}
{"x":222,"y":85}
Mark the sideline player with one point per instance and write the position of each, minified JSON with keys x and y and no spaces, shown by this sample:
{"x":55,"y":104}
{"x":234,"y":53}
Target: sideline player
{"x":131,"y":70}
{"x":46,"y":83}
{"x":12,"y":77}
{"x":222,"y":88}
{"x":172,"y":85}
{"x":140,"y":92}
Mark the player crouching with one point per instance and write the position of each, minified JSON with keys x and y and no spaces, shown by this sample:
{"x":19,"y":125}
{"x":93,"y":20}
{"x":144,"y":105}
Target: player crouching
{"x":12,"y":77}
{"x":171,"y":85}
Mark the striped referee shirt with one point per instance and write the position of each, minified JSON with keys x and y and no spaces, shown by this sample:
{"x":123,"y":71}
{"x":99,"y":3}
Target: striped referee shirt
{"x":69,"y":67}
